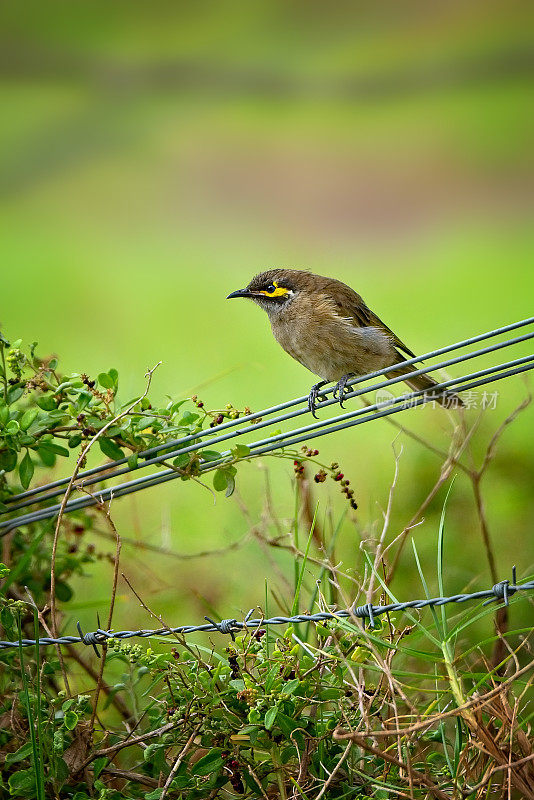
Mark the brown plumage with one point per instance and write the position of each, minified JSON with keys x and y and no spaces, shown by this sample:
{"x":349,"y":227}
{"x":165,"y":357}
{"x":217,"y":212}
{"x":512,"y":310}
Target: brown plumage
{"x":327,"y":327}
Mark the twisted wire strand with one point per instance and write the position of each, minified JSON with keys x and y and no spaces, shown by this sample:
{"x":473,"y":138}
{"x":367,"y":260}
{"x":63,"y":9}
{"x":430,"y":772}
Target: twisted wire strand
{"x":500,"y":592}
{"x":108,"y":469}
{"x":176,"y":447}
{"x":287,"y":439}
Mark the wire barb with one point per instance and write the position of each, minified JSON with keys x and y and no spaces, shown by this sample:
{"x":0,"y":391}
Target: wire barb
{"x":225,"y":626}
{"x":501,"y":591}
{"x":89,"y":638}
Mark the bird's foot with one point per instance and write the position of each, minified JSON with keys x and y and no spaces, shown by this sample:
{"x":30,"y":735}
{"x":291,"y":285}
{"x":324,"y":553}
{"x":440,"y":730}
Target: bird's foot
{"x":341,"y":388}
{"x":313,"y":397}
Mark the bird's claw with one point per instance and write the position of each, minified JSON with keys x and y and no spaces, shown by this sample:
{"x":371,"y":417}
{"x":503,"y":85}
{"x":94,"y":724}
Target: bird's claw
{"x":341,"y":388}
{"x":314,"y":396}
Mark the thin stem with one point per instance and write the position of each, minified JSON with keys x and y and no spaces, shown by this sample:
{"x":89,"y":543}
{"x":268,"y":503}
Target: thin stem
{"x":62,"y":511}
{"x":4,"y":375}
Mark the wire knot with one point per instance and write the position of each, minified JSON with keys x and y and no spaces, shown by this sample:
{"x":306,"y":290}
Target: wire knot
{"x":500,"y":590}
{"x":224,"y":626}
{"x":89,"y":638}
{"x":365,"y":611}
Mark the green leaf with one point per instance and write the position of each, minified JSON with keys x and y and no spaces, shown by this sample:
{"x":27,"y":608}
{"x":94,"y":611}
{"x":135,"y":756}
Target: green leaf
{"x":286,"y":724}
{"x":69,"y":385}
{"x":155,"y":795}
{"x":111,"y":449}
{"x":70,"y":720}
{"x":75,"y":440}
{"x":241,"y":450}
{"x":291,"y":686}
{"x":219,"y":480}
{"x":4,"y":415}
{"x":12,"y":428}
{"x":8,"y":460}
{"x":270,"y":717}
{"x":145,"y":422}
{"x":14,"y":394}
{"x":114,"y":375}
{"x":52,"y":447}
{"x":182,"y":461}
{"x":47,"y":402}
{"x":133,"y":460}
{"x":84,"y":398}
{"x":47,"y":457}
{"x":329,"y":694}
{"x":114,"y":430}
{"x":188,"y":418}
{"x":210,"y":455}
{"x":26,"y":470}
{"x":23,"y":752}
{"x":105,"y":380}
{"x":172,"y":408}
{"x":98,"y":765}
{"x":211,"y":762}
{"x":230,"y":485}
{"x":22,"y":783}
{"x":27,"y":418}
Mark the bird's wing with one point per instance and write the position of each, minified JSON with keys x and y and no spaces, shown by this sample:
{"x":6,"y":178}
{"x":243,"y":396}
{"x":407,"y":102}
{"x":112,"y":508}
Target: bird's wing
{"x":352,"y":306}
{"x":365,"y":317}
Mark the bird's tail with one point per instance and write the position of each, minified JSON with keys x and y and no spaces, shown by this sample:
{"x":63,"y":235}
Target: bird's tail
{"x":426,"y":383}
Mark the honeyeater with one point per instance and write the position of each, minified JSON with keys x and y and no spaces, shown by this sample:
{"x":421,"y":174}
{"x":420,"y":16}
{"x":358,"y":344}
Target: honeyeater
{"x":328,"y":328}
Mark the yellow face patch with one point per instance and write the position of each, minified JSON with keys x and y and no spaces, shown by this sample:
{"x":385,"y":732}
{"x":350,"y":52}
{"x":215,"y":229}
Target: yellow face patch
{"x":278,"y":291}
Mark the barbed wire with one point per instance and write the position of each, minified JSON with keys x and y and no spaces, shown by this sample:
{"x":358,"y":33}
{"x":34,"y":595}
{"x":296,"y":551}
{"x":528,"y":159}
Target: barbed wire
{"x":153,"y":457}
{"x":501,"y":591}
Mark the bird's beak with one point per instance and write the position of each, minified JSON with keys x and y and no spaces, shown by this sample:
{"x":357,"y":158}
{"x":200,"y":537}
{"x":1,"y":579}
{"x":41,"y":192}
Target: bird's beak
{"x":240,"y":293}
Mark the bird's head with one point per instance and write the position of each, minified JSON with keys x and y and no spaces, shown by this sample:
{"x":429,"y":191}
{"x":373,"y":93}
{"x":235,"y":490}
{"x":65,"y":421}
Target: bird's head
{"x":273,"y":290}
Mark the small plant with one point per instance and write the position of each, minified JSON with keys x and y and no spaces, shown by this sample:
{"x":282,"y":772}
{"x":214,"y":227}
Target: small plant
{"x":407,"y":708}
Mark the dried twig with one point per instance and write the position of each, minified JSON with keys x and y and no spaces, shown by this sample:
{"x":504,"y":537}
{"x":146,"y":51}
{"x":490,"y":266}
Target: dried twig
{"x":419,"y":777}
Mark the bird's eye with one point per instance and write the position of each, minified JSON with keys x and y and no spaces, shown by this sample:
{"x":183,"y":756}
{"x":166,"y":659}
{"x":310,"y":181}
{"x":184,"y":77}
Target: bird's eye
{"x":271,"y":288}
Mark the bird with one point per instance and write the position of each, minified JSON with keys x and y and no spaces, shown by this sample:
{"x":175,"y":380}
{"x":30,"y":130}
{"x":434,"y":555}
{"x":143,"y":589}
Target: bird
{"x":327,"y":327}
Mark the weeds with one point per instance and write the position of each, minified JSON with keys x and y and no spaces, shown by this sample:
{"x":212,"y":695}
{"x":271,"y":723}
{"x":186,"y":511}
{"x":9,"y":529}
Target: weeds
{"x":412,"y":708}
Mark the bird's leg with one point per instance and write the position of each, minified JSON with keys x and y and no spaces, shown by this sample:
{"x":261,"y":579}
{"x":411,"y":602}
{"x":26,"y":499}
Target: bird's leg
{"x":341,"y":387}
{"x":313,"y":395}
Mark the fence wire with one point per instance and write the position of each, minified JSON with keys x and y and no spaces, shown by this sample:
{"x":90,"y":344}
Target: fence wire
{"x":251,"y":423}
{"x":500,"y":592}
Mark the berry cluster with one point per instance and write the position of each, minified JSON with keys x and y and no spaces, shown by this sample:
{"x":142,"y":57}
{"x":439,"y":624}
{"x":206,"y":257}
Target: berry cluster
{"x":233,"y":766}
{"x":106,"y":398}
{"x":298,"y":468}
{"x":229,"y":412}
{"x":345,"y":483}
{"x":322,"y":474}
{"x":16,"y":359}
{"x":249,"y":695}
{"x":36,"y":383}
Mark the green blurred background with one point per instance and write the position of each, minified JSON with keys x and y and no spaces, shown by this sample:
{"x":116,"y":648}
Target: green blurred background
{"x":155,"y":156}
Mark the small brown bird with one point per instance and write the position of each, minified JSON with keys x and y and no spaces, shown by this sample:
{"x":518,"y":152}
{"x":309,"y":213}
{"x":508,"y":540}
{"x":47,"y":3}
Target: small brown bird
{"x":327,"y":327}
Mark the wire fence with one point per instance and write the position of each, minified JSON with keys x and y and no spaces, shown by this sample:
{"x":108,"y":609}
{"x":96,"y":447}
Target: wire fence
{"x":500,"y":592}
{"x":249,"y":424}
